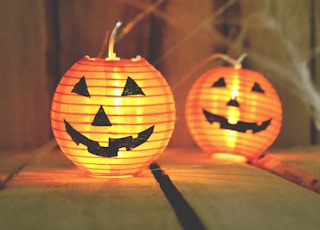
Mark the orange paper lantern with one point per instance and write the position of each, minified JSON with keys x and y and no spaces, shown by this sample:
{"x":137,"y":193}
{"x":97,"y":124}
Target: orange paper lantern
{"x":112,"y":117}
{"x":233,"y":111}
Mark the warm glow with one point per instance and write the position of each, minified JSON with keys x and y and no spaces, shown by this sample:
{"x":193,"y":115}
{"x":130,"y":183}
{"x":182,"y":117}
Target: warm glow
{"x":234,"y":111}
{"x":112,"y":118}
{"x":233,"y":115}
{"x":229,"y":157}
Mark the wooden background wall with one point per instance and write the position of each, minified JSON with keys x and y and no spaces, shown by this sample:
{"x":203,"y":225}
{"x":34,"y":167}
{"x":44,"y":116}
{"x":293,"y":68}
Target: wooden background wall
{"x":41,"y":39}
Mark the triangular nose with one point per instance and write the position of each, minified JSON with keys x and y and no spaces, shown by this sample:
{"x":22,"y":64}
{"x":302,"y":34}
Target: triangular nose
{"x":101,"y":118}
{"x":233,"y":102}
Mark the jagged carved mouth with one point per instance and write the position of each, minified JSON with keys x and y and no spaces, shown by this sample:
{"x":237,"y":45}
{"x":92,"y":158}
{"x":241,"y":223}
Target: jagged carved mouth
{"x":114,"y":143}
{"x":240,"y":126}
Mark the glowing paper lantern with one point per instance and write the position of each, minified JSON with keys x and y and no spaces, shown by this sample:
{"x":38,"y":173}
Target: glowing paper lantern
{"x":112,"y":116}
{"x":233,"y":111}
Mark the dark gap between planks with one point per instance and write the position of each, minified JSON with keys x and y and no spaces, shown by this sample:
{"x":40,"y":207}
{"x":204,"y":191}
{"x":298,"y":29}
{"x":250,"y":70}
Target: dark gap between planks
{"x":45,"y":149}
{"x":11,"y":175}
{"x":184,"y":212}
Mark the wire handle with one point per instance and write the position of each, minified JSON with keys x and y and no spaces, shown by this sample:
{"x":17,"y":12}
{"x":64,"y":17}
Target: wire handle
{"x":111,"y":54}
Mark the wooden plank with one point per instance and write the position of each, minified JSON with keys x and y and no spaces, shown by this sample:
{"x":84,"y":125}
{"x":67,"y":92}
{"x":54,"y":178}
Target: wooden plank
{"x":188,"y":38}
{"x":316,"y":49}
{"x":10,"y":163}
{"x":231,"y":195}
{"x":83,"y":24}
{"x":50,"y":193}
{"x":24,"y":90}
{"x":273,"y":42}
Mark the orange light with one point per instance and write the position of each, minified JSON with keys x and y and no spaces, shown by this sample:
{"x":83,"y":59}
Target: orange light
{"x":234,"y":111}
{"x":112,"y":117}
{"x":229,"y":157}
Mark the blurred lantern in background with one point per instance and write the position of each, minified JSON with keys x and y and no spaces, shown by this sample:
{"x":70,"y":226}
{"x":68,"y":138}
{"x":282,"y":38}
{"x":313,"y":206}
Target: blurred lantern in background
{"x":232,"y":110}
{"x":112,"y":117}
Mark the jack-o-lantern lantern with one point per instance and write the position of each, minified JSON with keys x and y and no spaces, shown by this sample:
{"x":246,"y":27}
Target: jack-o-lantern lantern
{"x":112,"y":117}
{"x":233,"y":111}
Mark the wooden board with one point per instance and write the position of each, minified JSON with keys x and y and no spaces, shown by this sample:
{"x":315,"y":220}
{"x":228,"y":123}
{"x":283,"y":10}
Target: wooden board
{"x":271,"y":40}
{"x":50,"y":193}
{"x":42,"y":39}
{"x":25,"y":89}
{"x":83,"y":24}
{"x":230,"y":195}
{"x":316,"y":58}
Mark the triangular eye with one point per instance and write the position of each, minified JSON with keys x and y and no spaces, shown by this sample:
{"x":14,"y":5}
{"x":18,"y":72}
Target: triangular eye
{"x":219,"y":83}
{"x":131,"y":88}
{"x":257,"y":88}
{"x":81,"y":88}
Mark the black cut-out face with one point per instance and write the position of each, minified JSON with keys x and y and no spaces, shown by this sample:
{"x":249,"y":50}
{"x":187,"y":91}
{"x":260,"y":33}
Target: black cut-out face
{"x":101,"y":119}
{"x":240,"y":126}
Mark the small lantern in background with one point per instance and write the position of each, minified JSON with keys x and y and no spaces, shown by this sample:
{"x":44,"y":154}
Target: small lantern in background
{"x":233,"y":111}
{"x":112,"y":117}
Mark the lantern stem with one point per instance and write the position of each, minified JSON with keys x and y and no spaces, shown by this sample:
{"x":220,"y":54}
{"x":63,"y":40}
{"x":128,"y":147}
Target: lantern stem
{"x":111,"y":54}
{"x":242,"y":56}
{"x":236,"y":63}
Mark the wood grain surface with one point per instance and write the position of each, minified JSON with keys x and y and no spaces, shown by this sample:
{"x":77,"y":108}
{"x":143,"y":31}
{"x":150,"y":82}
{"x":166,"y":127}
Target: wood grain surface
{"x":50,"y":193}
